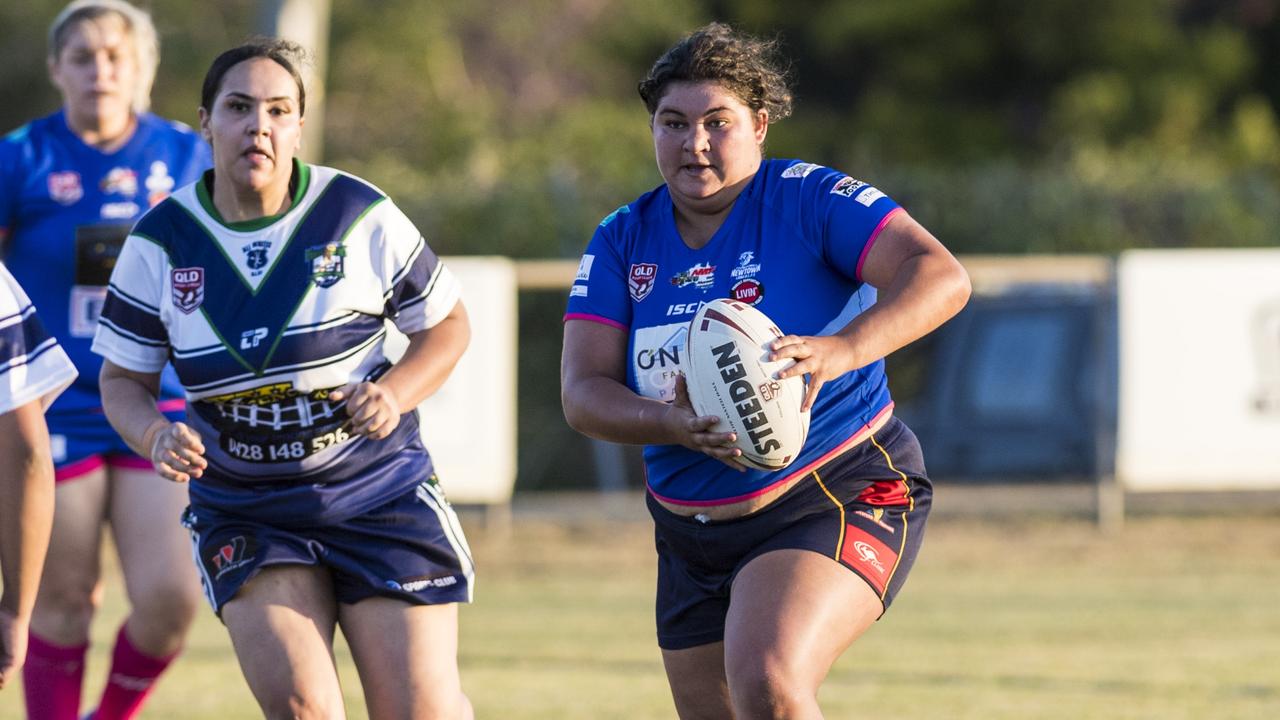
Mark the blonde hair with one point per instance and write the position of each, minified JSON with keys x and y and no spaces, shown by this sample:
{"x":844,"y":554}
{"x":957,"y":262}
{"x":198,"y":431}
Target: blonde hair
{"x":142,"y":32}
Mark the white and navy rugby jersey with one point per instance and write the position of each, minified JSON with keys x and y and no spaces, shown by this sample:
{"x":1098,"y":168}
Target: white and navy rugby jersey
{"x":262,"y":320}
{"x":67,"y":207}
{"x":32,"y":364}
{"x":792,"y":245}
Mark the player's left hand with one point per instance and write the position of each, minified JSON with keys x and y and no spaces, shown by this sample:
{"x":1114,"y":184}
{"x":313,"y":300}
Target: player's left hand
{"x":13,"y":646}
{"x":821,"y":357}
{"x":373,"y":409}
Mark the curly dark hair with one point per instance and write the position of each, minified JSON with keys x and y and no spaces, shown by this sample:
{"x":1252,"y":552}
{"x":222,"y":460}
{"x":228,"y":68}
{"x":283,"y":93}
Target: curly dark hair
{"x":288,"y":55}
{"x":746,"y":66}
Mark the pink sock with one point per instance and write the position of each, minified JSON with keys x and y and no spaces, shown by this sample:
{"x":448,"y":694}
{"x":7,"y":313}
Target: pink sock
{"x":130,"y":681}
{"x":51,"y":679}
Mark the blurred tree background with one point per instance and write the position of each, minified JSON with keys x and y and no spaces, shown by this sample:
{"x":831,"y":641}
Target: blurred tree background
{"x":1005,"y":126}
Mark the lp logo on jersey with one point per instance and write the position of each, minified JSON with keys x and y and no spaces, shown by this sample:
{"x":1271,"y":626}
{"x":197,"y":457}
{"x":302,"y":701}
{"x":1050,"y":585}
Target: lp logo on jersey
{"x":640,"y":282}
{"x":188,"y":288}
{"x":249,"y":339}
{"x":326,"y":263}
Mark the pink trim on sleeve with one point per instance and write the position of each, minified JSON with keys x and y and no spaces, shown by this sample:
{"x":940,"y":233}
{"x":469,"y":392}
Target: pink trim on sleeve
{"x":171,"y":405}
{"x":595,"y":318}
{"x":875,"y":234}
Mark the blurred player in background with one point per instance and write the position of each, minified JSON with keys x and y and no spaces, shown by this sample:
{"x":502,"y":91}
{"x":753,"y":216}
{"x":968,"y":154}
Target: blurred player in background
{"x":71,"y":185}
{"x":313,"y":500}
{"x":33,"y":371}
{"x":764,"y":578}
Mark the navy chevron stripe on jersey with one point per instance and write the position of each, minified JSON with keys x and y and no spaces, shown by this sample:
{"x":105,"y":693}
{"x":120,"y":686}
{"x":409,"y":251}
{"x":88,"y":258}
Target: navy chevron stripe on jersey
{"x":414,"y":284}
{"x":22,"y":340}
{"x":203,"y":372}
{"x":229,"y":302}
{"x":134,"y":319}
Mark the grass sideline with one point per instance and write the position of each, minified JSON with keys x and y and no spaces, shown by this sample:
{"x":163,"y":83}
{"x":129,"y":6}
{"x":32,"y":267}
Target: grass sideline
{"x":1174,"y":616}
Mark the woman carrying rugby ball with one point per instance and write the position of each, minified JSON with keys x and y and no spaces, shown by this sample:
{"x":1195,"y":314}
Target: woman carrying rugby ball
{"x":764,"y":578}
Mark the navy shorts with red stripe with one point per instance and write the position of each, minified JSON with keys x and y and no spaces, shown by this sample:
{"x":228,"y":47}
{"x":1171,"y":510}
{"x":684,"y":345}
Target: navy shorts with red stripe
{"x":866,"y":509}
{"x":410,"y":548}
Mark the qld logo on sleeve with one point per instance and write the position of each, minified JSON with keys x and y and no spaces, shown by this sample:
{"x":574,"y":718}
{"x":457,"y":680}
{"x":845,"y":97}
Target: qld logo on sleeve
{"x":188,"y":288}
{"x":325,"y":262}
{"x":640,"y":280}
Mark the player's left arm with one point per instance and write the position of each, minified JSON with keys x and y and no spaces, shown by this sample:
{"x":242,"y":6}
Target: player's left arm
{"x":920,"y":285}
{"x":375,"y":407}
{"x":26,"y":517}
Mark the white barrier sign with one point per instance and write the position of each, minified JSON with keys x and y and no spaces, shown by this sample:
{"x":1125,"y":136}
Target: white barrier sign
{"x":1199,"y":405}
{"x":469,"y":425}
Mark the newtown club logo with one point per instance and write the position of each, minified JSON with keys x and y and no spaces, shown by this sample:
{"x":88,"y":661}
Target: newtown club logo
{"x":188,"y":288}
{"x":64,"y":187}
{"x":255,"y":256}
{"x":640,"y":281}
{"x":325,"y":262}
{"x":230,"y":556}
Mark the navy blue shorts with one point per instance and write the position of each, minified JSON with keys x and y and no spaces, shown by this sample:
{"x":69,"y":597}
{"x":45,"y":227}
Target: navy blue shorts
{"x":865,"y":509}
{"x":411,"y":548}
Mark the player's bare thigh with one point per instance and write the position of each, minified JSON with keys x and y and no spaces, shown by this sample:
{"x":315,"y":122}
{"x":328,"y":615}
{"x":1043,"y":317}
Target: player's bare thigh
{"x":281,"y":624}
{"x":155,"y":555}
{"x":407,"y":656}
{"x":70,"y":590}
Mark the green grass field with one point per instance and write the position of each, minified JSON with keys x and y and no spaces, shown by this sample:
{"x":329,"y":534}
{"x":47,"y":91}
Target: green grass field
{"x":1172,"y":617}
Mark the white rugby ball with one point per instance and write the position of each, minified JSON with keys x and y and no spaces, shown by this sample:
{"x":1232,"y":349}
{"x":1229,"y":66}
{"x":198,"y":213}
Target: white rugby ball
{"x":729,"y":375}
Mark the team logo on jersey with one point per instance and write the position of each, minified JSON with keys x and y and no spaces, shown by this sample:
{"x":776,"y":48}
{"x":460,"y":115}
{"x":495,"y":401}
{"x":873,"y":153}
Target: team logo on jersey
{"x":326,"y":263}
{"x":701,"y":276}
{"x":800,"y":170}
{"x":749,"y":291}
{"x":159,"y":183}
{"x":64,"y":187}
{"x":745,"y":268}
{"x":188,"y":288}
{"x":255,"y":256}
{"x":120,"y":181}
{"x":231,"y":556}
{"x":640,"y":280}
{"x":847,"y":186}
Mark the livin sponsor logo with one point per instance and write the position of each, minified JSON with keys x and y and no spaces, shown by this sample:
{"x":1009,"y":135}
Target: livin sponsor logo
{"x":749,"y":291}
{"x":701,"y":276}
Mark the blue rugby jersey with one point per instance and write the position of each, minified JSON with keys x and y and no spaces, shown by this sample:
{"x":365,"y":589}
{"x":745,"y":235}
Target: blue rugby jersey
{"x":792,"y":245}
{"x":67,"y":207}
{"x":262,"y":320}
{"x":32,"y":364}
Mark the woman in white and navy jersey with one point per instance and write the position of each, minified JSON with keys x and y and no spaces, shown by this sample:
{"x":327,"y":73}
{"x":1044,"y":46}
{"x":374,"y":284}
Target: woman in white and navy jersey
{"x":72,"y":183}
{"x":34,"y":370}
{"x":764,"y":578}
{"x":268,"y":284}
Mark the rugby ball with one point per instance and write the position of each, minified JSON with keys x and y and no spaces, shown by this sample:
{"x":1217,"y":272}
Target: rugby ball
{"x":729,"y":375}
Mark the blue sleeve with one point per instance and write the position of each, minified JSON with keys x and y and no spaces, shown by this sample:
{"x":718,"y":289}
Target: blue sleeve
{"x":8,"y":185}
{"x":842,"y":218}
{"x":603,"y":282}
